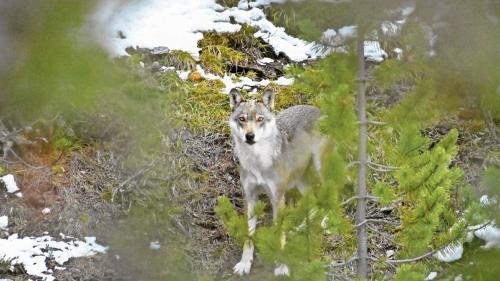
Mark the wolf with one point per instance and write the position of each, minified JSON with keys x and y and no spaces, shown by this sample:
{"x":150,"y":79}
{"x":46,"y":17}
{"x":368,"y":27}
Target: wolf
{"x":274,"y":153}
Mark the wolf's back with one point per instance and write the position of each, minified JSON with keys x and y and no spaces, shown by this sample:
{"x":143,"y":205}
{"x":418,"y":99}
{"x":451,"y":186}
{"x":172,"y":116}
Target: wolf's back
{"x":297,"y":118}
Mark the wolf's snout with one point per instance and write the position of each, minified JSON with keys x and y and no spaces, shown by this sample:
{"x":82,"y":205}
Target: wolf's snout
{"x":250,"y":138}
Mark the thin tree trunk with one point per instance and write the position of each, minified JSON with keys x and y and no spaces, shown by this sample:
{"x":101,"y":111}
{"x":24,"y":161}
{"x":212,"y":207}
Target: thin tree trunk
{"x":362,"y":234}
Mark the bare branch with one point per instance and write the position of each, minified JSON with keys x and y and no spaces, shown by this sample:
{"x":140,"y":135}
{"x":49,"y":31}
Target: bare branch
{"x":428,"y":254}
{"x":376,"y":123}
{"x":352,"y":163}
{"x":369,"y":197}
{"x":366,"y":221}
{"x":380,"y":167}
{"x":352,"y":259}
{"x":381,"y":233}
{"x":139,"y":173}
{"x":479,"y":227}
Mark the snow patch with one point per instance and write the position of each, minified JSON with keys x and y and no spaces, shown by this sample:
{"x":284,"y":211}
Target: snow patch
{"x":265,"y":61}
{"x":33,"y":252}
{"x":232,"y":81}
{"x":179,"y":25}
{"x":373,"y":52}
{"x":450,"y":253}
{"x":155,"y":245}
{"x":10,"y":183}
{"x":4,"y":222}
{"x":490,"y":234}
{"x":348,"y":31}
{"x":486,"y":201}
{"x":46,"y":211}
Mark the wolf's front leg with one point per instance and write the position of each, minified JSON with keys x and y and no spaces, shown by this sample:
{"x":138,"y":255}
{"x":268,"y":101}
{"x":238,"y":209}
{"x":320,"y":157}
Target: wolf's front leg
{"x":243,"y":267}
{"x":278,"y":203}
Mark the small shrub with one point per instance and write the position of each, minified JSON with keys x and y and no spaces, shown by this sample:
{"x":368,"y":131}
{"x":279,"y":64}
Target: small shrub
{"x":181,"y":60}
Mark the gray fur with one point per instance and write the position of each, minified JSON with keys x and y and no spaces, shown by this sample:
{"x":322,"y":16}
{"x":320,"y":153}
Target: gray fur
{"x":278,"y":158}
{"x":299,"y":117}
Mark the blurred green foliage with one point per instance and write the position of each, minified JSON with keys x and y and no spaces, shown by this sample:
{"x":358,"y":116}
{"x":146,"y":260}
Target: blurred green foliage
{"x":64,"y":73}
{"x":308,"y":19}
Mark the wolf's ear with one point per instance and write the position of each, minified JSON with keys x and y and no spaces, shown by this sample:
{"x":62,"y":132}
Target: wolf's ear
{"x":235,"y":98}
{"x":268,"y":99}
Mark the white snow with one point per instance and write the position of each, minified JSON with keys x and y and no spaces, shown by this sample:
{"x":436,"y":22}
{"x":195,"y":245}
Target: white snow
{"x":431,"y":276}
{"x":10,"y":183}
{"x":178,"y":25}
{"x":155,"y":245}
{"x":389,"y":28}
{"x":33,"y":252}
{"x":348,"y":31}
{"x":486,"y":201}
{"x":490,"y":234}
{"x":329,"y":33}
{"x":171,"y":23}
{"x":4,"y":222}
{"x":398,"y":52}
{"x":265,"y":61}
{"x":373,"y":52}
{"x":258,"y":3}
{"x":231,"y":81}
{"x":450,"y":253}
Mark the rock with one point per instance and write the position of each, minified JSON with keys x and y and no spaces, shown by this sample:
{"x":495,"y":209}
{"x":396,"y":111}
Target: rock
{"x":194,"y":76}
{"x":389,"y":253}
{"x":155,"y":66}
{"x":160,"y":50}
{"x":431,"y":276}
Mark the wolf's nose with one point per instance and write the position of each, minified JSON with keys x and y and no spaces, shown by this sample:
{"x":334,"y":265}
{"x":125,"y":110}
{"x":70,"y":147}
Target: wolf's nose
{"x":250,"y":137}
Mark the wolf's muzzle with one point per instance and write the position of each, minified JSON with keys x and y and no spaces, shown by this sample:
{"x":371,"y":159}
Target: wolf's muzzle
{"x":250,"y":138}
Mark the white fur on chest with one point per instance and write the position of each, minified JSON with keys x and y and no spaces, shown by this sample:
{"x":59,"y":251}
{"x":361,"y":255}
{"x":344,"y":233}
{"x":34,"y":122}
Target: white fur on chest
{"x":258,"y":159}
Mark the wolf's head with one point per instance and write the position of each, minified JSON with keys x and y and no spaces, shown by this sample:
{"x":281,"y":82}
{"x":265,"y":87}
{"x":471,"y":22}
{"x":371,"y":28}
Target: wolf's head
{"x":252,"y":121}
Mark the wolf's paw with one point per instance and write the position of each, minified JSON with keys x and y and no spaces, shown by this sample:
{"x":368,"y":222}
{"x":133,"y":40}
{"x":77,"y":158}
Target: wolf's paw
{"x":282,"y":270}
{"x":242,"y":268}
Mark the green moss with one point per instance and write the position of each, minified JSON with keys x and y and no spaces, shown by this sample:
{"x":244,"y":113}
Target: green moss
{"x":180,"y":60}
{"x":220,"y":49}
{"x":204,"y":107}
{"x":170,"y":82}
{"x":228,"y":3}
{"x":135,"y":59}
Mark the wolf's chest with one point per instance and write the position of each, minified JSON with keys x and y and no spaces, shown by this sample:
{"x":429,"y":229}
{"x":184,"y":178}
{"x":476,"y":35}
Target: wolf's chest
{"x":257,"y":156}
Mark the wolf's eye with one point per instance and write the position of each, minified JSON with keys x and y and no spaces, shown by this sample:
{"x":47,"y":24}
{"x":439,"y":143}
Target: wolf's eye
{"x":242,"y":119}
{"x":260,"y":119}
